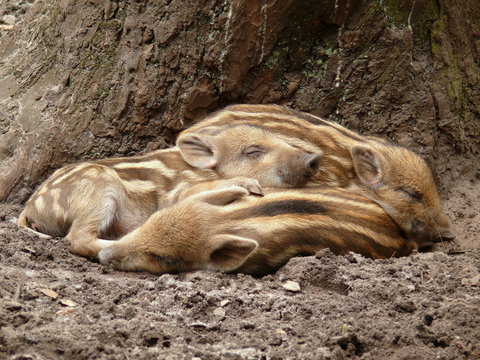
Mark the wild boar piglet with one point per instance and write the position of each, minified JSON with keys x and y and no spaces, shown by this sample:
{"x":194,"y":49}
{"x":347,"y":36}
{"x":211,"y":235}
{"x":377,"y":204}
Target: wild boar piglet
{"x":393,"y":176}
{"x":228,"y":230}
{"x":100,"y":200}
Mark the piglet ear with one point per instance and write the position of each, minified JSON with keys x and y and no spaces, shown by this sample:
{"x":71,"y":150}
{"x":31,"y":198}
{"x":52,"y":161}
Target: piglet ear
{"x":198,"y":150}
{"x":368,"y":165}
{"x":228,"y":252}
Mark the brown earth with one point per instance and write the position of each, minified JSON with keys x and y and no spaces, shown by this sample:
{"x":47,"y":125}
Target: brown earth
{"x":100,"y":78}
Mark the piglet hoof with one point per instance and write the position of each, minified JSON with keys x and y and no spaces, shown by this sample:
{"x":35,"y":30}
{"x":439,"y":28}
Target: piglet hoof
{"x":105,"y":256}
{"x":251,"y":185}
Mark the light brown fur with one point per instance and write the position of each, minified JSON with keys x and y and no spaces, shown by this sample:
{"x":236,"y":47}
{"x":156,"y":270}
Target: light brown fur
{"x":95,"y":201}
{"x":227,"y":230}
{"x":404,"y":187}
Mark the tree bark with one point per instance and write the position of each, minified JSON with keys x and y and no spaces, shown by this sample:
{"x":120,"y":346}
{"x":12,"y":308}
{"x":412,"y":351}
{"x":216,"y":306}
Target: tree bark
{"x":99,"y":78}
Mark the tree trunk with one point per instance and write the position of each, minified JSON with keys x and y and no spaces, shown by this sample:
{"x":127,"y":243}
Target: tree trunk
{"x":98,"y":78}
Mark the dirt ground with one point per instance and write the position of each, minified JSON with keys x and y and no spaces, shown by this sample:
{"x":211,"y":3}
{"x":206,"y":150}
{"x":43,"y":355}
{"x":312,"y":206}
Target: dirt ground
{"x":426,"y":306}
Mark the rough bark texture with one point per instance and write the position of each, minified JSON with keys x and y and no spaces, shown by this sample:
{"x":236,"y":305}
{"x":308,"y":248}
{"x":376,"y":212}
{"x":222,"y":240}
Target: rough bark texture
{"x":99,"y":78}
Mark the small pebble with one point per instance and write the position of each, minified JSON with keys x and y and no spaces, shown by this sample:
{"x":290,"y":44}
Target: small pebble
{"x":292,"y":286}
{"x":9,"y":19}
{"x":219,"y":312}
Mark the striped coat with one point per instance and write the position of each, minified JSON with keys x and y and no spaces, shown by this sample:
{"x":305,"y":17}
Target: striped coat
{"x":226,"y":229}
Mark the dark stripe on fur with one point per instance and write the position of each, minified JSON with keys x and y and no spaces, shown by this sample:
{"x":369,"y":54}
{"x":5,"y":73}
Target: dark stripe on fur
{"x":281,"y":207}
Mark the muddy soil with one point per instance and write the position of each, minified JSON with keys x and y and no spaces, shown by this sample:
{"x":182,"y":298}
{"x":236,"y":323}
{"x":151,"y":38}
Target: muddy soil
{"x":54,"y":305}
